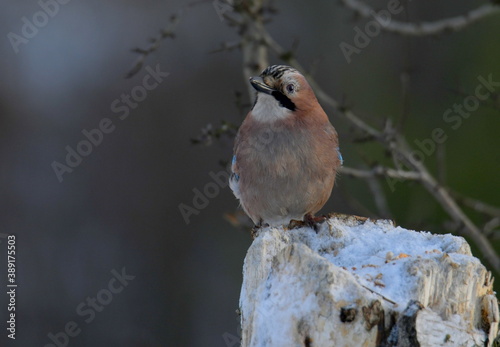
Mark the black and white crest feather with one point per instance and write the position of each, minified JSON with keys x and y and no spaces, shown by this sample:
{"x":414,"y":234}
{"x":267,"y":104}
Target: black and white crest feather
{"x":277,"y":71}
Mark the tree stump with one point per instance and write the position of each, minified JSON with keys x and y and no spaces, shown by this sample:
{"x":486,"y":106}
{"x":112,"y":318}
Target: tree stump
{"x":358,"y":282}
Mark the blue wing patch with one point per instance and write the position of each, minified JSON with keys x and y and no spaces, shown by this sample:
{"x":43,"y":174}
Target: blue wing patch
{"x":233,"y":180}
{"x":233,"y":163}
{"x":338,"y":154}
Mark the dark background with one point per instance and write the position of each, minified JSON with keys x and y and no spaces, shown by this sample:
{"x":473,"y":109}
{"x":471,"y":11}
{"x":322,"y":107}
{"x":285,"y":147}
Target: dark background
{"x":120,"y":206}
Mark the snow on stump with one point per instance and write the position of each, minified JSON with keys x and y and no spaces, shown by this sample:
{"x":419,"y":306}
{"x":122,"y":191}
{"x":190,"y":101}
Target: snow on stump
{"x":358,"y":282}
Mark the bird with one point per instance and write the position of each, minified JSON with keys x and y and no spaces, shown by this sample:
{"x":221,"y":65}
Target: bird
{"x":286,"y":152}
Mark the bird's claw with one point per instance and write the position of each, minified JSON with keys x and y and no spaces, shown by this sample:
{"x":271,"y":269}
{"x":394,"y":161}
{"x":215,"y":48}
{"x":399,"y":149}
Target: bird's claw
{"x":309,"y":221}
{"x":314,"y":222}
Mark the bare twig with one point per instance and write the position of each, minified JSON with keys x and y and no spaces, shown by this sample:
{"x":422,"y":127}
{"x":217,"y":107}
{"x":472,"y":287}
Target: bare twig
{"x":227,"y":47}
{"x":490,"y":227}
{"x":381,"y":171}
{"x":155,"y":44}
{"x":424,"y":28}
{"x":477,"y":205}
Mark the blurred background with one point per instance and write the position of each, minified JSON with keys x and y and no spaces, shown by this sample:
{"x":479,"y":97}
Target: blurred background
{"x":118,"y":210}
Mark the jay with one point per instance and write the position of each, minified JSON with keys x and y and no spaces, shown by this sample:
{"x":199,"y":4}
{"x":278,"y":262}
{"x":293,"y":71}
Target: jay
{"x":286,"y":152}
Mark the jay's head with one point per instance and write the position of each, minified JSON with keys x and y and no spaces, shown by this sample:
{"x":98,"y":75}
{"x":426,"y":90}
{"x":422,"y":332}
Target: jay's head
{"x":281,"y":92}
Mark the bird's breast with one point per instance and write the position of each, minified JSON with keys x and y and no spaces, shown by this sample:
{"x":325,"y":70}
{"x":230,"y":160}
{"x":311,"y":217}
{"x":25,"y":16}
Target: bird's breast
{"x":281,"y":150}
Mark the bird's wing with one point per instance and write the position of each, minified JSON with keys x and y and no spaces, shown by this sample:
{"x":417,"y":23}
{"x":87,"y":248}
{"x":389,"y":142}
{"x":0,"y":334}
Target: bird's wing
{"x":235,"y":174}
{"x":234,"y":178}
{"x":340,"y":156}
{"x":332,"y":133}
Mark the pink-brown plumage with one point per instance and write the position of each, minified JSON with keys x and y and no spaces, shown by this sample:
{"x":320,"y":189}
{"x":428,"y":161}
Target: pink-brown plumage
{"x":286,"y":151}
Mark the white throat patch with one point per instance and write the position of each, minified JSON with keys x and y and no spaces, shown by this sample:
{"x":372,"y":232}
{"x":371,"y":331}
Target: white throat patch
{"x":267,"y":109}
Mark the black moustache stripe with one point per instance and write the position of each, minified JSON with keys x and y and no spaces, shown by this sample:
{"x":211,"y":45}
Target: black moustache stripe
{"x":284,"y":100}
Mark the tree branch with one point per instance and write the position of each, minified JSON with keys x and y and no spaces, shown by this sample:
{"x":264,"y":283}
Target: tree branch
{"x":380,"y":171}
{"x":477,"y":205}
{"x":424,"y":28}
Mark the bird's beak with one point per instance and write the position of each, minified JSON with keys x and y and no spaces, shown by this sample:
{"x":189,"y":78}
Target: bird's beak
{"x":260,"y":86}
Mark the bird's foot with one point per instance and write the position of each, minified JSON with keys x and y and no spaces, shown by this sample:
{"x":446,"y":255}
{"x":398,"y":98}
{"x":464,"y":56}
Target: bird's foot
{"x":314,"y":222}
{"x":309,"y":221}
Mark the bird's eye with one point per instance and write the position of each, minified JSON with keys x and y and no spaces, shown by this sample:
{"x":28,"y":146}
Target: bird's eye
{"x":290,"y":88}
